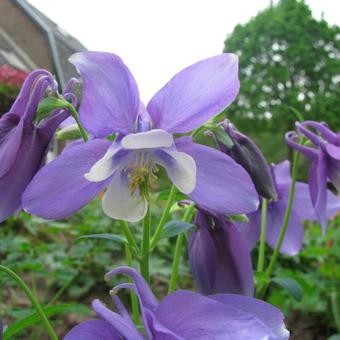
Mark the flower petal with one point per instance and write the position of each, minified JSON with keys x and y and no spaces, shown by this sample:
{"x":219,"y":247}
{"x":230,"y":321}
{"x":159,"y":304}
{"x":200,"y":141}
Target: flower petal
{"x":59,"y":189}
{"x":198,"y":317}
{"x":282,"y":173}
{"x":155,"y":138}
{"x":11,"y":130}
{"x":93,"y":330}
{"x":292,"y":241}
{"x":180,"y":167}
{"x":114,"y":158}
{"x":222,"y":185}
{"x":251,"y":230}
{"x":110,"y":100}
{"x":119,"y":203}
{"x":196,"y":94}
{"x":122,"y":327}
{"x":268,"y":314}
{"x":203,"y":256}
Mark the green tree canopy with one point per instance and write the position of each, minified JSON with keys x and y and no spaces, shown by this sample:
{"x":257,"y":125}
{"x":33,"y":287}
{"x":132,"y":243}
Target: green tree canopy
{"x":287,"y":58}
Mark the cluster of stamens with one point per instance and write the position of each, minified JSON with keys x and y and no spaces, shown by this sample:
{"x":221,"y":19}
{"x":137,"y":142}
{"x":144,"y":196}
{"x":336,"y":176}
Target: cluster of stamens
{"x":142,"y":175}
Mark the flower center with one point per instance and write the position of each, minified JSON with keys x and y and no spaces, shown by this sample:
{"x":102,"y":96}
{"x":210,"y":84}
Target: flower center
{"x":142,"y":173}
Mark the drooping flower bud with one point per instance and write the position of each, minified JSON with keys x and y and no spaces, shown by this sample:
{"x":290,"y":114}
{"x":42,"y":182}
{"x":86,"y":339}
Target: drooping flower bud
{"x":246,"y":153}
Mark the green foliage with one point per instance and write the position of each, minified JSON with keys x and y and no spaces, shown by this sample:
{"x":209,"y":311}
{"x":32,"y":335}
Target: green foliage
{"x":287,"y":59}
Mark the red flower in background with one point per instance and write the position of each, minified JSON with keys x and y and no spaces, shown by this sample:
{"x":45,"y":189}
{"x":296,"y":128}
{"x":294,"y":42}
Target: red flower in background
{"x":11,"y":76}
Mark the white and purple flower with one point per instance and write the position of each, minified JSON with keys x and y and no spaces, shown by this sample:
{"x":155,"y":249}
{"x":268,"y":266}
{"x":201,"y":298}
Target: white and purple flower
{"x":144,"y":141}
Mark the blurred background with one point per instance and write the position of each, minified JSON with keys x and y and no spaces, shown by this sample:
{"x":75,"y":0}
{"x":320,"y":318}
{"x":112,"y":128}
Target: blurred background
{"x":289,"y":54}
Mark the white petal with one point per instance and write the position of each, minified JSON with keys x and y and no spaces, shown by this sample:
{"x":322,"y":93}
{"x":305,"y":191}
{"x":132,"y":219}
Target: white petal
{"x":118,"y":202}
{"x":155,"y":138}
{"x":181,"y":169}
{"x":105,"y":167}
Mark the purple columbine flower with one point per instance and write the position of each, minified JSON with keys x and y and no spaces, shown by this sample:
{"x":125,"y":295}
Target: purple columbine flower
{"x":302,"y":210}
{"x":219,"y":257}
{"x":111,"y":104}
{"x":246,"y":153}
{"x":182,"y":315}
{"x":24,"y":144}
{"x":325,"y":160}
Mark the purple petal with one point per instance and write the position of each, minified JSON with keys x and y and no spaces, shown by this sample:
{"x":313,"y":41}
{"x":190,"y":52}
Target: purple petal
{"x":269,"y":315}
{"x":196,"y":94}
{"x":219,"y":257}
{"x":294,"y":234}
{"x":121,"y":325}
{"x":317,"y":180}
{"x":222,"y":185}
{"x":282,"y":172}
{"x":251,"y":230}
{"x":302,"y":202}
{"x":110,"y":100}
{"x":144,"y":292}
{"x":234,"y":267}
{"x":333,"y":165}
{"x":192,"y":316}
{"x":93,"y":330}
{"x":59,"y":189}
{"x":27,"y":162}
{"x":11,"y":130}
{"x":203,"y":256}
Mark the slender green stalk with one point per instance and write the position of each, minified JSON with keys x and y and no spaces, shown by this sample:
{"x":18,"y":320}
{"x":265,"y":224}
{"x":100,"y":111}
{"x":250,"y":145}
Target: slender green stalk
{"x":145,"y":249}
{"x":262,"y":249}
{"x":175,"y":264}
{"x":164,"y":218}
{"x":75,"y":115}
{"x":178,"y":248}
{"x":133,"y":297}
{"x":129,"y":236}
{"x":286,"y":219}
{"x":33,"y":300}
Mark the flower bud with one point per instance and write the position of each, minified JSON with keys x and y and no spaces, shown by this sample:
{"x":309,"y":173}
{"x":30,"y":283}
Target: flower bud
{"x":246,"y":153}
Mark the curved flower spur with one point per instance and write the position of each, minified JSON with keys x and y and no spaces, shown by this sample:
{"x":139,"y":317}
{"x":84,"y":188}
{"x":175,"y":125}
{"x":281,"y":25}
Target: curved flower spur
{"x":325,"y":166}
{"x":24,"y":141}
{"x":144,"y":140}
{"x":182,"y":315}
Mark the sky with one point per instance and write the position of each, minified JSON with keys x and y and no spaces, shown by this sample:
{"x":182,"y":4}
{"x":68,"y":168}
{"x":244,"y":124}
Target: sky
{"x":157,"y":38}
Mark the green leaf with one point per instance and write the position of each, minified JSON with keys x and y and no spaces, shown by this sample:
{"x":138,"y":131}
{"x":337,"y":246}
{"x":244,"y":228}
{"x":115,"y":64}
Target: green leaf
{"x":174,"y":228}
{"x":291,"y":285}
{"x":34,"y":318}
{"x":70,"y":132}
{"x":334,"y":337}
{"x":239,"y":218}
{"x":48,"y":105}
{"x":115,"y":238}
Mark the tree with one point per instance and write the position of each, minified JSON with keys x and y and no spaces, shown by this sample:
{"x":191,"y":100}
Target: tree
{"x":287,"y":59}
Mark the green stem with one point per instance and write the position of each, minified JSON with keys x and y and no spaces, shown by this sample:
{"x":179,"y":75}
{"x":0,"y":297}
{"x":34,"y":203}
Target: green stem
{"x":133,"y":297}
{"x":177,"y":255}
{"x":129,"y":236}
{"x":164,"y":218}
{"x":175,"y":264}
{"x":145,"y":251}
{"x":286,"y":219}
{"x":75,"y":115}
{"x":33,"y":300}
{"x":262,"y":249}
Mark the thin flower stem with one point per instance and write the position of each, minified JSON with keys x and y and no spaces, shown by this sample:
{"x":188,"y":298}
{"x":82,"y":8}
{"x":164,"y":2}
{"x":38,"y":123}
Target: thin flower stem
{"x":133,"y":297}
{"x":33,"y":300}
{"x":163,"y":218}
{"x":286,"y":219}
{"x":262,"y":249}
{"x":145,"y":249}
{"x":129,"y":236}
{"x":178,"y":248}
{"x":175,"y":264}
{"x":75,"y":115}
